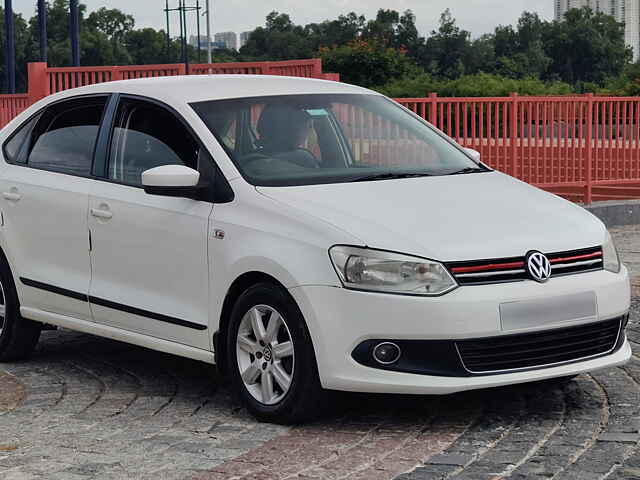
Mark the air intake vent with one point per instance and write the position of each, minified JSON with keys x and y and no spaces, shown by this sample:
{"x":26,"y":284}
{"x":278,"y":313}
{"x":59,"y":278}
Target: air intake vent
{"x":551,"y":347}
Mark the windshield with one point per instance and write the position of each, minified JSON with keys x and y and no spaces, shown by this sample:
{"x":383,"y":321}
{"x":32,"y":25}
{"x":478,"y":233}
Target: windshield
{"x":312,"y":139}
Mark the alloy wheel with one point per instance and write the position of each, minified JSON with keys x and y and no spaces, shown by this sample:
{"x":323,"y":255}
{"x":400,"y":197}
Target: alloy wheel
{"x":265,"y":354}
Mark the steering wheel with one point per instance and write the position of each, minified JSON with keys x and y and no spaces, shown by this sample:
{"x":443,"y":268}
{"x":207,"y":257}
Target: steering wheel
{"x":252,"y":157}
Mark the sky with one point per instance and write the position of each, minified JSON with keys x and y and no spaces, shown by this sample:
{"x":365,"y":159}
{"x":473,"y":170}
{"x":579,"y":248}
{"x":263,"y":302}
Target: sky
{"x":477,"y":16}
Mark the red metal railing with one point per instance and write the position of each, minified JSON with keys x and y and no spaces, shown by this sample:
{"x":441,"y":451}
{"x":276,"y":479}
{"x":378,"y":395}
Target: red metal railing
{"x":63,"y":78}
{"x":297,"y":68}
{"x":294,"y":68}
{"x":232,"y":68}
{"x":583,"y":147}
{"x":12,"y":105}
{"x":45,"y":80}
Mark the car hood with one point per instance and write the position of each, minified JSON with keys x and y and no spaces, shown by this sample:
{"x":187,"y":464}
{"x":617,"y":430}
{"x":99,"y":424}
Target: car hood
{"x":449,"y":218}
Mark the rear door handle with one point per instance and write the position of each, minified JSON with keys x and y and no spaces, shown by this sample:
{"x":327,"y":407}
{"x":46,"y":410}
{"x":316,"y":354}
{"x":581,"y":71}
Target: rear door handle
{"x":11,"y":196}
{"x":99,"y":213}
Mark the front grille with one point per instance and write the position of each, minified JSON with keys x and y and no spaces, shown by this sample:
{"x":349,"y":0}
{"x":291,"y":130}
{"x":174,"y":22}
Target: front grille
{"x":482,"y":272}
{"x":512,"y":352}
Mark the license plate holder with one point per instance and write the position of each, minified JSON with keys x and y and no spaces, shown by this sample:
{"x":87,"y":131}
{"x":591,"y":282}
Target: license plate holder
{"x":527,"y":314}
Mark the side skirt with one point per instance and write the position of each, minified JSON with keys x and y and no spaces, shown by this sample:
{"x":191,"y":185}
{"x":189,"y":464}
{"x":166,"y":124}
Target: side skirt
{"x":118,"y":334}
{"x":109,"y":304}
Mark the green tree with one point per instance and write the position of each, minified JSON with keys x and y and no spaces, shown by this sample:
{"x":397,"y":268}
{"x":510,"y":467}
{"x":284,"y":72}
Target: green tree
{"x":481,"y":55}
{"x":586,"y":47}
{"x":345,"y":29}
{"x":149,"y":46}
{"x":586,"y":50}
{"x":22,"y":44}
{"x":383,"y":28}
{"x":395,"y":30}
{"x":58,"y":31}
{"x":367,"y":63}
{"x":446,"y":49}
{"x":407,"y":35}
{"x":505,"y":41}
{"x":279,"y":39}
{"x":520,"y":52}
{"x":114,"y":23}
{"x":95,"y":46}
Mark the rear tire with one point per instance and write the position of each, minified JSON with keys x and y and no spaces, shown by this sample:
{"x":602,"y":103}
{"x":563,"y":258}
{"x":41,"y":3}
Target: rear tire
{"x":270,"y":357}
{"x":18,"y":336}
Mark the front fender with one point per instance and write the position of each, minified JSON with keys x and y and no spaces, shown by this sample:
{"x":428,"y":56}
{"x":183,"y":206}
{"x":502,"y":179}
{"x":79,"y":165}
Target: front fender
{"x":262,"y":235}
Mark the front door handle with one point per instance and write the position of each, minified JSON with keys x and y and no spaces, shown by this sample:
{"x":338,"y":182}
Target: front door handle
{"x":100,"y":213}
{"x":12,"y":196}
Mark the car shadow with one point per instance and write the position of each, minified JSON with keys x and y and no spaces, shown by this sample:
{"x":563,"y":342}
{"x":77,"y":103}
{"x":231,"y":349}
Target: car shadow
{"x":192,"y":379}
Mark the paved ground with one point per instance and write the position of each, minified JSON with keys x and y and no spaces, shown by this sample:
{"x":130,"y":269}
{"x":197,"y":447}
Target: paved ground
{"x":88,"y":408}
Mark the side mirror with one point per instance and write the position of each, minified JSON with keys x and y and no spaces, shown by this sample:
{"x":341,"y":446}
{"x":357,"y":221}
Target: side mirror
{"x":172,"y":181}
{"x":473,"y":154}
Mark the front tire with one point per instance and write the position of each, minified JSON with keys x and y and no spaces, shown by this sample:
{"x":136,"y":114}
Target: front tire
{"x":18,"y":336}
{"x":270,"y":357}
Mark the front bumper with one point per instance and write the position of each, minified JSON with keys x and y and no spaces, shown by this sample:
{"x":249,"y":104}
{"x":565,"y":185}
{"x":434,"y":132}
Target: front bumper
{"x":339,"y":320}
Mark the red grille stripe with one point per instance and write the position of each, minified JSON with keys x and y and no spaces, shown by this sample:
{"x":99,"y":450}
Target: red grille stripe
{"x":487,"y":268}
{"x":576,"y":257}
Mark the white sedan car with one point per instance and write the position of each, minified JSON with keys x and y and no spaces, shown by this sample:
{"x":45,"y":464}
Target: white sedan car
{"x":304,"y":235}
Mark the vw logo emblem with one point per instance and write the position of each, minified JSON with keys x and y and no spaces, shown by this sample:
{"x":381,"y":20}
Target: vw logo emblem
{"x":538,"y":266}
{"x":267,"y":353}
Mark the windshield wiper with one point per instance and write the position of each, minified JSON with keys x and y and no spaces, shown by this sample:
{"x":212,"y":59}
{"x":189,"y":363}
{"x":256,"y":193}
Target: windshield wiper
{"x":466,"y":170}
{"x":390,"y":176}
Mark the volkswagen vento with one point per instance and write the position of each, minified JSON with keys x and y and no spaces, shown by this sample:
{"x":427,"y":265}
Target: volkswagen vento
{"x":304,"y":235}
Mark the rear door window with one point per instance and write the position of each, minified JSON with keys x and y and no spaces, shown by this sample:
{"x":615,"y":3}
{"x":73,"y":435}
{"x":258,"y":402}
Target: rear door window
{"x":17,"y":148}
{"x":64,"y":137}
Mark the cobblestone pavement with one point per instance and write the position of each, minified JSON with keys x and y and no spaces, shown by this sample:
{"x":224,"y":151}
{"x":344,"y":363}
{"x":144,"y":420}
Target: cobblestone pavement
{"x":89,"y":408}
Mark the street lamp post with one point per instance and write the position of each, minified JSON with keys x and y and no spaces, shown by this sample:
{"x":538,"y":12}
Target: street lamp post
{"x":42,"y":24}
{"x":183,"y":20}
{"x":10,"y":48}
{"x":74,"y":31}
{"x":182,"y":10}
{"x":208,"y":32}
{"x":182,"y":52}
{"x":166,"y":10}
{"x":198,"y":31}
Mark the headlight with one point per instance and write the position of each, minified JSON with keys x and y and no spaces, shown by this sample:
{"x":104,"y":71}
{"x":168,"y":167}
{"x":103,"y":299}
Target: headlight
{"x":610,"y":258}
{"x":380,"y":271}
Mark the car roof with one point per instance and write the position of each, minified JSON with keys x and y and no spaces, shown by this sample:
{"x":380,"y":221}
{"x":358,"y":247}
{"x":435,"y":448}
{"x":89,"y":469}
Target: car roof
{"x":196,"y":88}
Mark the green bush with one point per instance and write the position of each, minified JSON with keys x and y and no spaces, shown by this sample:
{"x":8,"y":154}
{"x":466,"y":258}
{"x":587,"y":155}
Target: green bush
{"x":479,"y":85}
{"x":416,"y":86}
{"x":627,"y":84}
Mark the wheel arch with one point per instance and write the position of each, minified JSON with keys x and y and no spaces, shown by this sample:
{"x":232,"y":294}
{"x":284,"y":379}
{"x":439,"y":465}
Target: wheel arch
{"x":236,"y":289}
{"x":12,"y":272}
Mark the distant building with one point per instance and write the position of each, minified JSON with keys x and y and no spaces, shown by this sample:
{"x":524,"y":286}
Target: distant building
{"x":229,"y":39}
{"x":244,"y":38}
{"x":624,"y":11}
{"x":604,"y":6}
{"x":630,"y":13}
{"x":193,"y":41}
{"x":215,"y":45}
